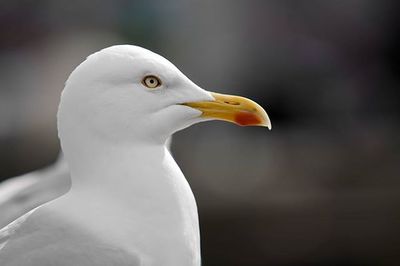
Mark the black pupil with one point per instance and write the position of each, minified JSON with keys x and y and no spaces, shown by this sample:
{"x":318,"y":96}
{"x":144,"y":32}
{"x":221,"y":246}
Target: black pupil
{"x":151,"y":81}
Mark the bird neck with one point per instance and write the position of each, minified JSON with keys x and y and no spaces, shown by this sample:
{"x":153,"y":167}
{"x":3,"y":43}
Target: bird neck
{"x":138,"y":195}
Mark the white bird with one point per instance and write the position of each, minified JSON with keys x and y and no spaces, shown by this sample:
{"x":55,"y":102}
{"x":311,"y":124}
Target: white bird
{"x":129,"y":203}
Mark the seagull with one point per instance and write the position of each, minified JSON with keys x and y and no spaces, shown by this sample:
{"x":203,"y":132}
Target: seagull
{"x":129,"y":202}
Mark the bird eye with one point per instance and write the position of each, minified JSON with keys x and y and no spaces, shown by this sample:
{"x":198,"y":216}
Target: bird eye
{"x":151,"y":82}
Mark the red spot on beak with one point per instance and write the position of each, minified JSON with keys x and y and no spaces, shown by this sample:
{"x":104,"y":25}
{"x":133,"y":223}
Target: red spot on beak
{"x":247,"y":119}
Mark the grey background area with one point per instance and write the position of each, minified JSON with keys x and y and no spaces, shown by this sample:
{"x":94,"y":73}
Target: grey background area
{"x":322,"y":188}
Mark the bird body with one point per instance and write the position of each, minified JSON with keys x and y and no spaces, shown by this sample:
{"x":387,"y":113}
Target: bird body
{"x":165,"y":224}
{"x":129,"y":203}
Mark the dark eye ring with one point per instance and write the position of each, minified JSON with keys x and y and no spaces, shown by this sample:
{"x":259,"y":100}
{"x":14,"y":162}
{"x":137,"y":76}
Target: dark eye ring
{"x":151,"y":82}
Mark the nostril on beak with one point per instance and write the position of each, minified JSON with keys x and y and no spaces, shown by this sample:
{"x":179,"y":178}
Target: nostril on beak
{"x":231,"y":103}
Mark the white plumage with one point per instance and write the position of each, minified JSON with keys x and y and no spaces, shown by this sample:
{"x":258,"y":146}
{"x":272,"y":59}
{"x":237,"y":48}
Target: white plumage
{"x":21,"y":194}
{"x":129,"y":203}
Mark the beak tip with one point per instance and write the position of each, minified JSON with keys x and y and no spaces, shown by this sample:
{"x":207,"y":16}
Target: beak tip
{"x":267,"y":124}
{"x":265,"y":118}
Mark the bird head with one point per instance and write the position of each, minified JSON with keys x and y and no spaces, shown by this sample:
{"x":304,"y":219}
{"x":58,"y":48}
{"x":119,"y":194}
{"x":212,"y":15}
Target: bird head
{"x":126,"y":91}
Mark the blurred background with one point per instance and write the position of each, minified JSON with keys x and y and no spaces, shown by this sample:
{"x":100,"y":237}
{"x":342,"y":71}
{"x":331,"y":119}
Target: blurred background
{"x":322,"y":188}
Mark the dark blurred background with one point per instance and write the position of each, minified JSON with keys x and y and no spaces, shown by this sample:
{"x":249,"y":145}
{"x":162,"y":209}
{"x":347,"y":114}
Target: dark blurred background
{"x":322,"y":188}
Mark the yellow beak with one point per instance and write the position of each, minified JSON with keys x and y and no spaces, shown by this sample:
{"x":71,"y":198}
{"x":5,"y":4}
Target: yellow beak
{"x":235,"y":109}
